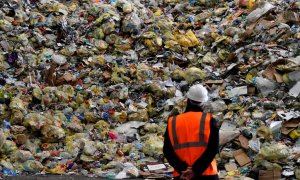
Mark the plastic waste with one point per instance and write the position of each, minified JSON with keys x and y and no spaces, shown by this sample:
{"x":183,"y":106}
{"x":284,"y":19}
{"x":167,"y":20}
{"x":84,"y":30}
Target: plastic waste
{"x":153,"y":145}
{"x":265,"y":85}
{"x":259,"y":12}
{"x":264,"y":132}
{"x":194,"y":74}
{"x":32,"y":166}
{"x":128,"y":171}
{"x":274,"y":151}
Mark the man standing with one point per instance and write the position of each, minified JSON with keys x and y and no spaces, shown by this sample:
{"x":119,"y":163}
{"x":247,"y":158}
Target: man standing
{"x":192,"y":139}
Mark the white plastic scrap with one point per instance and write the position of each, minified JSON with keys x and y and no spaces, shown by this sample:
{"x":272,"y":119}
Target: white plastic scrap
{"x":238,"y":91}
{"x":259,"y":12}
{"x":295,"y":90}
{"x":288,"y":115}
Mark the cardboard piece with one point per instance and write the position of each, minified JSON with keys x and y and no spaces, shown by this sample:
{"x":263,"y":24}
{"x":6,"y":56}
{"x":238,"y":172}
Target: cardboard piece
{"x":230,"y":167}
{"x":241,"y":157}
{"x":269,"y":175}
{"x":68,"y":77}
{"x":269,"y":72}
{"x":244,"y":142}
{"x":214,"y":81}
{"x":251,"y":90}
{"x":289,"y":126}
{"x":278,"y":77}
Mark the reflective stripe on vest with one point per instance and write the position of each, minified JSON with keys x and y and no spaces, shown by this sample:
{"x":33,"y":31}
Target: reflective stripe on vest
{"x":200,"y":143}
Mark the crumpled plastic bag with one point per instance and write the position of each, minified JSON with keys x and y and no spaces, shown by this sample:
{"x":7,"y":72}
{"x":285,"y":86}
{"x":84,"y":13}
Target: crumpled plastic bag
{"x":89,"y":147}
{"x":140,"y":115}
{"x":132,"y":23}
{"x":265,"y":85}
{"x":35,"y":121}
{"x":264,"y":132}
{"x":73,"y":143}
{"x":16,"y":117}
{"x":254,"y":144}
{"x":17,"y":103}
{"x":2,"y":138}
{"x":187,"y":40}
{"x":22,"y":156}
{"x":52,"y":133}
{"x":193,"y":74}
{"x":8,"y":147}
{"x":2,"y":65}
{"x":153,"y":145}
{"x":126,"y":6}
{"x":215,"y":106}
{"x":32,"y":166}
{"x":270,"y":166}
{"x":144,"y":72}
{"x":210,"y":58}
{"x":153,"y":128}
{"x":130,"y":128}
{"x":68,"y":89}
{"x":297,"y":172}
{"x":5,"y":25}
{"x":62,"y":96}
{"x":120,"y":116}
{"x":178,"y":74}
{"x":128,"y":171}
{"x":4,"y":113}
{"x":21,"y":139}
{"x":37,"y":93}
{"x":274,"y":151}
{"x":87,"y":158}
{"x":59,"y":59}
{"x":33,"y":145}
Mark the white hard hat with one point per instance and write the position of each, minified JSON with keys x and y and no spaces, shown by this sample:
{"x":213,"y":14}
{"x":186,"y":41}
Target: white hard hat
{"x":198,"y":93}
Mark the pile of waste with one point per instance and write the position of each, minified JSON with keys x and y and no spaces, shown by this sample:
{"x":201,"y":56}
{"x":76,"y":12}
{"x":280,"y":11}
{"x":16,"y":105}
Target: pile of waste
{"x":86,"y":87}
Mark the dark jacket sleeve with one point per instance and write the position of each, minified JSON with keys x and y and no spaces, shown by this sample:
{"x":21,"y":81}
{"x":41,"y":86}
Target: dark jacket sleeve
{"x":212,"y":149}
{"x":170,"y":155}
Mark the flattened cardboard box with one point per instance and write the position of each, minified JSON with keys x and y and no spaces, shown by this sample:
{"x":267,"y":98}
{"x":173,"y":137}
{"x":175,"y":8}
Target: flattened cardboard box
{"x":241,"y":157}
{"x":269,"y":175}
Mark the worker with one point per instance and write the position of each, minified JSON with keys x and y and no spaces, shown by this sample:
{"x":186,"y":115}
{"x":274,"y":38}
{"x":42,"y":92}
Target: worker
{"x":192,"y":139}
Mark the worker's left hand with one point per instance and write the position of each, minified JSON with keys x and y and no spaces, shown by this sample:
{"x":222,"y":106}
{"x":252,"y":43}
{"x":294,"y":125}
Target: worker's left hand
{"x":188,"y":174}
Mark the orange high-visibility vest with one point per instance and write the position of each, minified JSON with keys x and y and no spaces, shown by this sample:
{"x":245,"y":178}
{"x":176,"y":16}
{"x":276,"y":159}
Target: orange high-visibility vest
{"x":189,"y":135}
